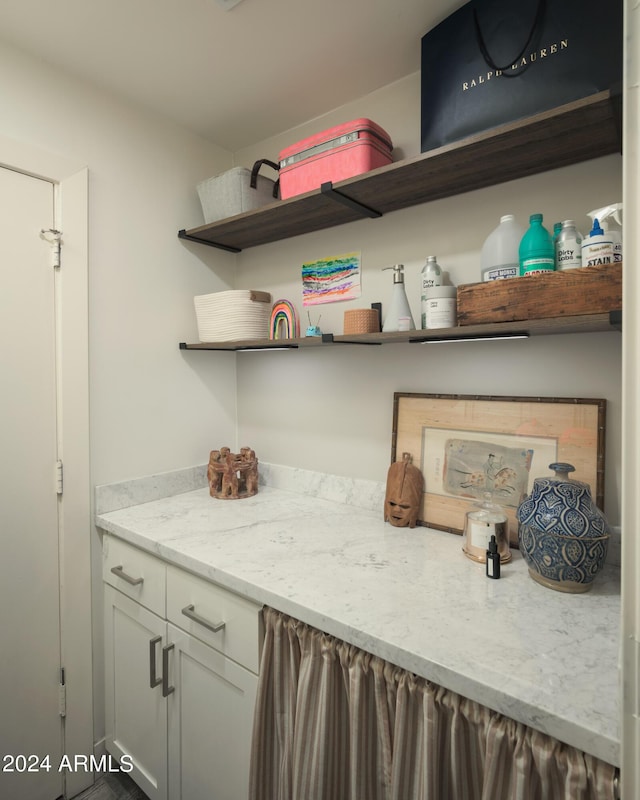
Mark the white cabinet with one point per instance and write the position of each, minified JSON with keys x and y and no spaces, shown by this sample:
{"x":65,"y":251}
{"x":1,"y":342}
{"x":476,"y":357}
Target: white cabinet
{"x":210,"y":721}
{"x":136,"y":714}
{"x":181,"y":667}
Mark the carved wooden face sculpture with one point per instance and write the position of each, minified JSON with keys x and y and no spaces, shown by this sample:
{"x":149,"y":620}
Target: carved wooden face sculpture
{"x":404,"y":493}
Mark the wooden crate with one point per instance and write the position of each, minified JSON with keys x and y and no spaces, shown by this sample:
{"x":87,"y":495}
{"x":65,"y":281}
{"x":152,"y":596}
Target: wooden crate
{"x":585,"y":290}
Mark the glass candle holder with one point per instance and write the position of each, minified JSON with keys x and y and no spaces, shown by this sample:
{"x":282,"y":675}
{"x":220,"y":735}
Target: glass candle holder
{"x":484,"y":520}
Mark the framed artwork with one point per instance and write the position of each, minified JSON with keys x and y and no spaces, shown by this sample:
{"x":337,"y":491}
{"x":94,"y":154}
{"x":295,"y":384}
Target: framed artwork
{"x":328,"y":280}
{"x":468,"y":445}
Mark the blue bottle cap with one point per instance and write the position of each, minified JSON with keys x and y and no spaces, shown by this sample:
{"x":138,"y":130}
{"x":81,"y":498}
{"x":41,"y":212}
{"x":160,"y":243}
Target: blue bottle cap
{"x":596,"y":230}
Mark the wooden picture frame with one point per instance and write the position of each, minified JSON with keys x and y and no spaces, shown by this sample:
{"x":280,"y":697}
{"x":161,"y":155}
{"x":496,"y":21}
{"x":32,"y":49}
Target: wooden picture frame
{"x":466,"y":445}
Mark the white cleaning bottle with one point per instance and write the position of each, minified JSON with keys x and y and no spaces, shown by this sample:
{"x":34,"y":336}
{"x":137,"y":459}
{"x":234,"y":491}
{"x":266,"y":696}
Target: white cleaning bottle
{"x":499,"y":257}
{"x":431,"y":273}
{"x":399,"y":306}
{"x":568,"y":246}
{"x":597,"y":247}
{"x":616,"y":233}
{"x":430,"y":277}
{"x":610,"y":221}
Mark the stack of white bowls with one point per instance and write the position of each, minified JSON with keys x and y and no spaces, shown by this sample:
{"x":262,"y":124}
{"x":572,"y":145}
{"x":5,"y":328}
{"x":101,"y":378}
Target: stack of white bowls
{"x":234,"y":314}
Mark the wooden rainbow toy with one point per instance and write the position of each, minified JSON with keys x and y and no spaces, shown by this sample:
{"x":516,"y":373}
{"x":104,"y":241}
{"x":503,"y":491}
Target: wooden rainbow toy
{"x":284,"y":321}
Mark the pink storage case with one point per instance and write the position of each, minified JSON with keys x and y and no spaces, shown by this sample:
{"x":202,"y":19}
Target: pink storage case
{"x":333,"y":155}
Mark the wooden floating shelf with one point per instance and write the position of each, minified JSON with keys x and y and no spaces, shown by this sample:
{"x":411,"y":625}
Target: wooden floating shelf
{"x":576,"y":132}
{"x":587,"y":323}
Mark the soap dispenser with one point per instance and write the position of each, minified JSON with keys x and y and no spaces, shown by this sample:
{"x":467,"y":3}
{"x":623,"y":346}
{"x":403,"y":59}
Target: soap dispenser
{"x":399,"y":306}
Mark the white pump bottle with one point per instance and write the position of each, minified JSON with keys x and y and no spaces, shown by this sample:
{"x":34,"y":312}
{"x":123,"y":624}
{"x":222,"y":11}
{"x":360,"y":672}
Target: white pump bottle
{"x":399,"y":306}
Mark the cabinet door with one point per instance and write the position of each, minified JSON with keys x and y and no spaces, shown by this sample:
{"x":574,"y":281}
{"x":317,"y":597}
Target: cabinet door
{"x":210,"y":722}
{"x":135,"y":713}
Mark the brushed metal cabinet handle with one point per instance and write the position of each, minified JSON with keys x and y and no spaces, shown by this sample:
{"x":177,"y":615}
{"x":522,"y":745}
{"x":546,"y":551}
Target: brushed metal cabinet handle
{"x":153,"y":679}
{"x":166,"y":689}
{"x":188,"y":611}
{"x":119,"y":571}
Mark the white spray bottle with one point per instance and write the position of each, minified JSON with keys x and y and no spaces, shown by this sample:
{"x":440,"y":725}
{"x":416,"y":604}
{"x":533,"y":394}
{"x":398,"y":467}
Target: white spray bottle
{"x":616,"y":232}
{"x":399,"y":306}
{"x":610,"y":219}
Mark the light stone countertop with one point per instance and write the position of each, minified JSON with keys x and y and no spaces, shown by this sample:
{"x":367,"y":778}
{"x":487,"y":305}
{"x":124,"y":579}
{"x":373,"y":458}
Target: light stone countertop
{"x":544,"y":658}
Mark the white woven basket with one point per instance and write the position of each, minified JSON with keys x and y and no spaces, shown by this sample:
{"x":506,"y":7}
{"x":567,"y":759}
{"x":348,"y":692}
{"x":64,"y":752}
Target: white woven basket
{"x":230,"y":193}
{"x":233,"y":315}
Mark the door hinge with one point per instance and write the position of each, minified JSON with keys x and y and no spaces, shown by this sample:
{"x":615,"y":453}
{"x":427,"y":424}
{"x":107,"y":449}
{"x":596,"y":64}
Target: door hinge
{"x":62,"y":694}
{"x":59,"y":477}
{"x":54,"y":237}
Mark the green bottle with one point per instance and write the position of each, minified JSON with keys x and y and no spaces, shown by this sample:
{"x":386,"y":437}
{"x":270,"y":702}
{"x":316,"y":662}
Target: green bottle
{"x":536,"y":251}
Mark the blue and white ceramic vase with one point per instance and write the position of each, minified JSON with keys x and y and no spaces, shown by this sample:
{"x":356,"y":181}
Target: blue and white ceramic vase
{"x":563,"y":535}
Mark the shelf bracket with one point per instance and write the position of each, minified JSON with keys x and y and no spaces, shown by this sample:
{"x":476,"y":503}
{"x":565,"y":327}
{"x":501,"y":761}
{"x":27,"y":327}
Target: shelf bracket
{"x":364,"y":211}
{"x":615,"y":320}
{"x":241,"y":348}
{"x":182,"y":234}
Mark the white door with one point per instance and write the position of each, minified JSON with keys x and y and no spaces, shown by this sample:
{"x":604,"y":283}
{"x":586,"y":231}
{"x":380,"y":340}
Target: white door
{"x":30,"y":725}
{"x":210,"y":722}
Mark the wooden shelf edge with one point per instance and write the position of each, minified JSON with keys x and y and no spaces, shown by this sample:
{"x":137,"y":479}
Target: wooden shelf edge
{"x":257,"y":344}
{"x":586,"y":323}
{"x":584,"y":129}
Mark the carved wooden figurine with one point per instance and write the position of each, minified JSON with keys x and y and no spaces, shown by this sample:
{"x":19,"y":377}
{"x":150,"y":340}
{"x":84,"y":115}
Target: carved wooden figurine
{"x":231,"y":476}
{"x":405,"y":486}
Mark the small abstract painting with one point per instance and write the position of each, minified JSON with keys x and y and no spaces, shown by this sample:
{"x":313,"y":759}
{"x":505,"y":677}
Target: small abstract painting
{"x":329,"y":280}
{"x":463,"y":463}
{"x":473,"y":468}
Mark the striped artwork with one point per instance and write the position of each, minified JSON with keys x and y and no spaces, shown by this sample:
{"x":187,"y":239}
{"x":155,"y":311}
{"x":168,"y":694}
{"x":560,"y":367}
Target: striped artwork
{"x":328,"y":280}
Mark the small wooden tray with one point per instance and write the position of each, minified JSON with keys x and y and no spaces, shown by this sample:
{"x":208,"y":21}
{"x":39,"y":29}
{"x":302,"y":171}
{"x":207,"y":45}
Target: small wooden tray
{"x":585,"y":290}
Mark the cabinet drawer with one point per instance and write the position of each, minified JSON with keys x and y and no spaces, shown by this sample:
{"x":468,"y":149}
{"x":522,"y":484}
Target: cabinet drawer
{"x":135,"y":573}
{"x":197,"y":606}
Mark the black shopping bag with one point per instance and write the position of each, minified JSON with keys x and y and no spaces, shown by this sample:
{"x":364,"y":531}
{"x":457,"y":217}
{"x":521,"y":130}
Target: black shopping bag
{"x":494,"y":61}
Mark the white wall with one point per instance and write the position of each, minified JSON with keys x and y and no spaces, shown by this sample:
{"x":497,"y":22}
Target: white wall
{"x":331,"y":410}
{"x":153,"y":407}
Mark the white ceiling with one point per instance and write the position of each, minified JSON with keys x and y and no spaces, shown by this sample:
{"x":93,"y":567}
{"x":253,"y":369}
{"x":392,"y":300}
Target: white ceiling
{"x":236,"y":77}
